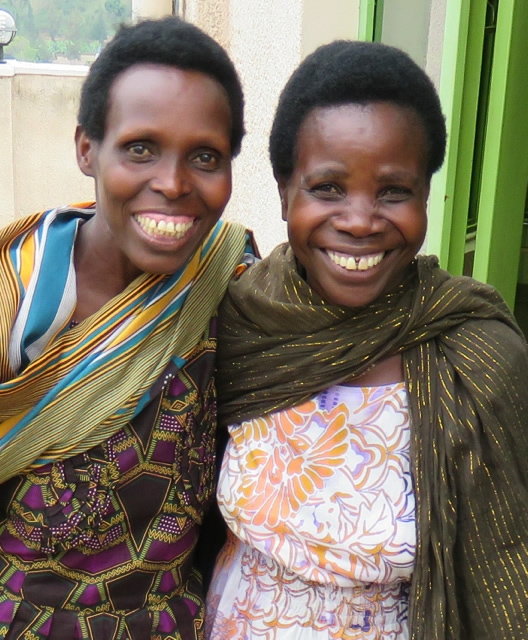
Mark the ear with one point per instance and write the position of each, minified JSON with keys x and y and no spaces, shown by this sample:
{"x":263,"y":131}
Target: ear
{"x":85,"y":149}
{"x":427,"y":191}
{"x":282,"y":185}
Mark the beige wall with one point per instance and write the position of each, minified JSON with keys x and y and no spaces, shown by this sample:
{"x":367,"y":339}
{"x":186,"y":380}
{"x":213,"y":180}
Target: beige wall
{"x":424,"y":41}
{"x":331,"y":20}
{"x":151,"y":9}
{"x":7,"y":195}
{"x":267,"y":40}
{"x":406,"y":25}
{"x":435,"y":40}
{"x":38,"y":114}
{"x":214,"y":17}
{"x":265,"y":43}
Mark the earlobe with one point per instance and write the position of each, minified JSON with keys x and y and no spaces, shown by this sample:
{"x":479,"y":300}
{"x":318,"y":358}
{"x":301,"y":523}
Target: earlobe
{"x":85,"y":151}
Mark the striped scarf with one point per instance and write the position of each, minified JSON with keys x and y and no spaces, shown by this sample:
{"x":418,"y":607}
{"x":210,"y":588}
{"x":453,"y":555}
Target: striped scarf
{"x":65,"y":391}
{"x":466,"y":371}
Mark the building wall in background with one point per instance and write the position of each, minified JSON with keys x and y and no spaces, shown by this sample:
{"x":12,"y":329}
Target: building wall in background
{"x":38,"y":115}
{"x":267,"y":41}
{"x":151,"y":9}
{"x":7,"y":195}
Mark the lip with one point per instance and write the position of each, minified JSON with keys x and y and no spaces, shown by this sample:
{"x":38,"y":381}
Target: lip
{"x":355,"y":262}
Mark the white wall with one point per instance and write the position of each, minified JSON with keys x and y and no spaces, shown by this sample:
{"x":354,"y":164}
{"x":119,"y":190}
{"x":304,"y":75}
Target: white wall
{"x":266,"y":47}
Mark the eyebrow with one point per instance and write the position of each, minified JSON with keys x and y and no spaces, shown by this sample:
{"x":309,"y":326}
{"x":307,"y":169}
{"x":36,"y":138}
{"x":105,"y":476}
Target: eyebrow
{"x":324,"y":174}
{"x":384,"y":178}
{"x":399,"y":176}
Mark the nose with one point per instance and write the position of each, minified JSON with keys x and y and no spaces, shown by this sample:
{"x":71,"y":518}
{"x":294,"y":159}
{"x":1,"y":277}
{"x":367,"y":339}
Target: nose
{"x":171,"y":178}
{"x":358,"y":217}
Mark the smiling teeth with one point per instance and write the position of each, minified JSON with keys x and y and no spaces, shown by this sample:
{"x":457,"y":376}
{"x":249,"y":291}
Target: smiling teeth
{"x":164,"y":228}
{"x":361,"y":263}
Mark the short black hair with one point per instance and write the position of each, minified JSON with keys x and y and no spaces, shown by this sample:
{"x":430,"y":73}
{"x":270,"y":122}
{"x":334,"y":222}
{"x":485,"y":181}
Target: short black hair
{"x":169,"y":41}
{"x":345,"y":72}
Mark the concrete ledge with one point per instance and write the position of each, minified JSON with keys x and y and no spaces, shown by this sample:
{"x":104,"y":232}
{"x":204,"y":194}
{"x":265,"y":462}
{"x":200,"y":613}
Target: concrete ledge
{"x":11,"y":68}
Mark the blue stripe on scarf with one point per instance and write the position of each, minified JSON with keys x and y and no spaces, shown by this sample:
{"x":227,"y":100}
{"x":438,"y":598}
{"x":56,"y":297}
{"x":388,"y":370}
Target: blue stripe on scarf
{"x":54,"y":244}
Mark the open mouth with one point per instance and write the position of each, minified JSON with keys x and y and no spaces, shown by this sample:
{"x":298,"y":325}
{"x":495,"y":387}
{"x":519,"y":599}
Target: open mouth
{"x":163,"y":228}
{"x":356,"y":263}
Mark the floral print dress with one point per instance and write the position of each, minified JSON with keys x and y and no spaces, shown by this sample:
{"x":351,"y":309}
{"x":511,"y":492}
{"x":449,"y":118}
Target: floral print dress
{"x":321,"y":511}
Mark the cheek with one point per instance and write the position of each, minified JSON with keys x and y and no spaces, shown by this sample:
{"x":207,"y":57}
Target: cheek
{"x":295,"y":235}
{"x":413,"y":227}
{"x":218,"y":194}
{"x":301,"y":225}
{"x":420,"y":228}
{"x":118,"y":185}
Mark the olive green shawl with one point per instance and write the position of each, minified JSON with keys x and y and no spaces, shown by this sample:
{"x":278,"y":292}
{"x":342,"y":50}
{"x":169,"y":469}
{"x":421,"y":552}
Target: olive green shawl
{"x":466,"y":371}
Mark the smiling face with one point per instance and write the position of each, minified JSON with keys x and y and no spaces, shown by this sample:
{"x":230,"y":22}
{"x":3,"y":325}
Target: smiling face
{"x":356,"y":201}
{"x":162,"y":171}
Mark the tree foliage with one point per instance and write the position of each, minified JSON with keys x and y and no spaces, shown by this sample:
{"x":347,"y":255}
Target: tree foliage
{"x":51,"y":30}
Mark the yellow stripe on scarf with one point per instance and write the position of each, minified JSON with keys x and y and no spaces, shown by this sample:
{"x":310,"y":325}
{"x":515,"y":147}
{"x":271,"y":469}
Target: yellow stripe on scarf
{"x":96,"y":405}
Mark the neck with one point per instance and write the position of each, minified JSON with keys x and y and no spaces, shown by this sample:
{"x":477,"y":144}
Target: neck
{"x":100,"y":275}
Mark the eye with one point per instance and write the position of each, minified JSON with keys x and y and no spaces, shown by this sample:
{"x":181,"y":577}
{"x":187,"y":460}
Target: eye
{"x":206,"y":160}
{"x":138,"y":151}
{"x":326,"y":191}
{"x":395,"y":194}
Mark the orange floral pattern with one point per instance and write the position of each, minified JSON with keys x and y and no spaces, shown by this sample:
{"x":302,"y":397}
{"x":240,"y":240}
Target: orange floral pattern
{"x":319,"y":499}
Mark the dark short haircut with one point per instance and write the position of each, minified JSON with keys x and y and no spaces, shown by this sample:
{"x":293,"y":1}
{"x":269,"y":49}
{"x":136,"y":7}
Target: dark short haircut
{"x":171,"y":42}
{"x":345,"y":72}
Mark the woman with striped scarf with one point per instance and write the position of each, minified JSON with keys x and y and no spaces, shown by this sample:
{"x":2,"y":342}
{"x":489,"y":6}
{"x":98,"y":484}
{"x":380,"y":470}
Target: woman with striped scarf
{"x":107,"y":405}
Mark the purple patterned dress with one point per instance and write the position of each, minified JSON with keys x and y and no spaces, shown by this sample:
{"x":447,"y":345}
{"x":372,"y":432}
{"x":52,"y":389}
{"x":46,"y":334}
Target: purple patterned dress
{"x":100,"y":546}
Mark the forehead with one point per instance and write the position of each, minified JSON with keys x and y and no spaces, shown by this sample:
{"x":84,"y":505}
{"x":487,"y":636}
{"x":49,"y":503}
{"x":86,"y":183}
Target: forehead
{"x":375,"y":124}
{"x":151,"y":88}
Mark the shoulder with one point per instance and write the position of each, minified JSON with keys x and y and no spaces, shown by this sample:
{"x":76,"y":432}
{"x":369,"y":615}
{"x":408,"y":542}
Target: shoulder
{"x":25,"y":226}
{"x":478,"y":332}
{"x":490,"y":358}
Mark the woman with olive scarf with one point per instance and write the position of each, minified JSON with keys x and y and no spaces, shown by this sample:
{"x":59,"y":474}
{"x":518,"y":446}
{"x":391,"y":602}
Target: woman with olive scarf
{"x":375,"y":481}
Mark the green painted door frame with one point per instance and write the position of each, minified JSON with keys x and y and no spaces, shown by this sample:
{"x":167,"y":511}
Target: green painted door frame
{"x":505,"y":165}
{"x":369,"y":22}
{"x":502,"y":182}
{"x":449,"y":195}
